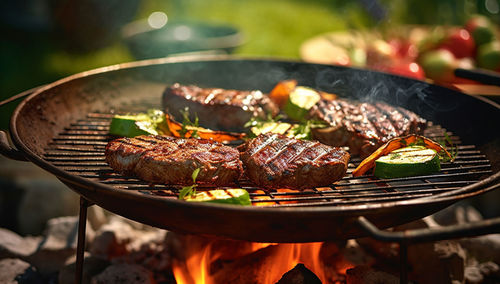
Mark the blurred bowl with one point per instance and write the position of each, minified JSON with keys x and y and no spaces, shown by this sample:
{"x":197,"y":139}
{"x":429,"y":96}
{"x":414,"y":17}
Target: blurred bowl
{"x":145,"y":41}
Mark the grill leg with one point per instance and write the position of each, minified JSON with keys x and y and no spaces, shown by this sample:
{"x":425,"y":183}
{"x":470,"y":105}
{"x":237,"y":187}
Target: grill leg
{"x":403,"y":262}
{"x":80,"y":248}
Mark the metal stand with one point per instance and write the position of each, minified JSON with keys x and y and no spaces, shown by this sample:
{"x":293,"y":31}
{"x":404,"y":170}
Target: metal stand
{"x":80,"y":248}
{"x":403,"y":262}
{"x":404,"y":239}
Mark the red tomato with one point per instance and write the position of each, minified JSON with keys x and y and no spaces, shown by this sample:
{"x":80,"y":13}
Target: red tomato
{"x":404,"y":48}
{"x":460,"y":43}
{"x":403,"y":68}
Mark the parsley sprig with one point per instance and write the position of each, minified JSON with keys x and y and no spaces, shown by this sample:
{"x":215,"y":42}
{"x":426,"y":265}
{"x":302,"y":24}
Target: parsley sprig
{"x":301,"y":130}
{"x":188,"y":125}
{"x":450,"y":146}
{"x":258,"y":122}
{"x":190,"y":190}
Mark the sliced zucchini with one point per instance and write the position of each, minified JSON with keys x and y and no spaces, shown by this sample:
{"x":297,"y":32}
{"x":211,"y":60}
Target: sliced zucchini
{"x":139,"y":124}
{"x":237,"y":196}
{"x":271,"y":127}
{"x":408,"y":161}
{"x":131,"y":126}
{"x":300,"y":101}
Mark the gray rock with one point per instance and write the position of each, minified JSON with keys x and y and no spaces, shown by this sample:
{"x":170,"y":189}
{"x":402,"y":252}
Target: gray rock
{"x":483,"y":248}
{"x":124,"y":273}
{"x":457,"y":215}
{"x":91,"y":267}
{"x":439,"y":262}
{"x":14,"y":270}
{"x":96,"y":217}
{"x":113,"y":238}
{"x":14,"y":246}
{"x":62,"y":233}
{"x":145,"y":238}
{"x":490,"y":269}
{"x":473,"y":275}
{"x":59,"y":243}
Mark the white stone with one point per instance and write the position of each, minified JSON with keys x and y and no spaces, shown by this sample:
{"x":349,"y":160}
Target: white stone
{"x":13,"y":271}
{"x":14,"y":246}
{"x":59,"y":243}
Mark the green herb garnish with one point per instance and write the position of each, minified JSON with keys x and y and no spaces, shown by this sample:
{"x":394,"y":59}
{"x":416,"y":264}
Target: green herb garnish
{"x":187,"y":123}
{"x":303,"y":130}
{"x":450,"y":146}
{"x":259,"y":122}
{"x":190,"y":190}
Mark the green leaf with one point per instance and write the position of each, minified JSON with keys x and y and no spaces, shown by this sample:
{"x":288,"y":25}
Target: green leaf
{"x":304,"y":129}
{"x":190,"y":190}
{"x":195,"y":173}
{"x":187,"y":123}
{"x":448,"y":145}
{"x":258,"y":121}
{"x":187,"y":191}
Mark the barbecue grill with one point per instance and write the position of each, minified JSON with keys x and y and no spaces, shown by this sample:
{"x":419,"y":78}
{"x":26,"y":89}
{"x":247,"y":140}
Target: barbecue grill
{"x":62,"y":127}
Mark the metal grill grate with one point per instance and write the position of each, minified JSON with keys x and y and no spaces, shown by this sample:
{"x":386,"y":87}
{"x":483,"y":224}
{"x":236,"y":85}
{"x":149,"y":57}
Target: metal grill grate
{"x":79,"y":150}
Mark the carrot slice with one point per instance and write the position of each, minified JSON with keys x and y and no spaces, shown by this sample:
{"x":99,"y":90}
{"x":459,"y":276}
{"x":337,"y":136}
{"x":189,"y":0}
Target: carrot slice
{"x":394,"y":144}
{"x":219,"y":136}
{"x":279,"y":94}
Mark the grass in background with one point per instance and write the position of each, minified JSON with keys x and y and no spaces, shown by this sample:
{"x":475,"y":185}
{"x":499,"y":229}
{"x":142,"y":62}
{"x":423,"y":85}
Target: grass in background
{"x":271,"y":28}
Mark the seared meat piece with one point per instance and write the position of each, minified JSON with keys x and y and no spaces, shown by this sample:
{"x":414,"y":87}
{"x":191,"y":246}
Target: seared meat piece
{"x":218,"y":109}
{"x":363,"y":126}
{"x":277,"y":161}
{"x":168,"y":160}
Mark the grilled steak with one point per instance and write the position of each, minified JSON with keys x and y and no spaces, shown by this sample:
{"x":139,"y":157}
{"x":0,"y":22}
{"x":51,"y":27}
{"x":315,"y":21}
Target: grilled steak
{"x":277,"y":161}
{"x":168,"y":160}
{"x":218,"y":109}
{"x":363,"y":126}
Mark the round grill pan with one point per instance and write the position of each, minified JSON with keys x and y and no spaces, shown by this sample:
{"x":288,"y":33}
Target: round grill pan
{"x":62,"y":127}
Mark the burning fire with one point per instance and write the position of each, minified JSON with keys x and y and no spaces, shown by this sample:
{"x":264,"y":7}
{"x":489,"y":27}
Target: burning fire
{"x":203,"y":260}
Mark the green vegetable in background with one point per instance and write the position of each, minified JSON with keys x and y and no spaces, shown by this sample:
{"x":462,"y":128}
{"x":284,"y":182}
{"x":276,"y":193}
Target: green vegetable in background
{"x":150,"y":123}
{"x":300,"y":101}
{"x":302,"y":130}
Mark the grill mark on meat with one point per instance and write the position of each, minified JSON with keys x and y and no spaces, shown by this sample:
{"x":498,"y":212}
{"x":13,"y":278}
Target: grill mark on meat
{"x":363,"y":126}
{"x":281,"y":150}
{"x":168,"y":160}
{"x":302,"y":150}
{"x":212,"y":105}
{"x":264,"y":144}
{"x":277,"y":161}
{"x":399,"y":120}
{"x":320,"y":156}
{"x":380,"y":122}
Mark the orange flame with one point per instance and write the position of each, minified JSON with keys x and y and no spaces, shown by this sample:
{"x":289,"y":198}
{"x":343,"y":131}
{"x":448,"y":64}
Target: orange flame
{"x":210,"y":261}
